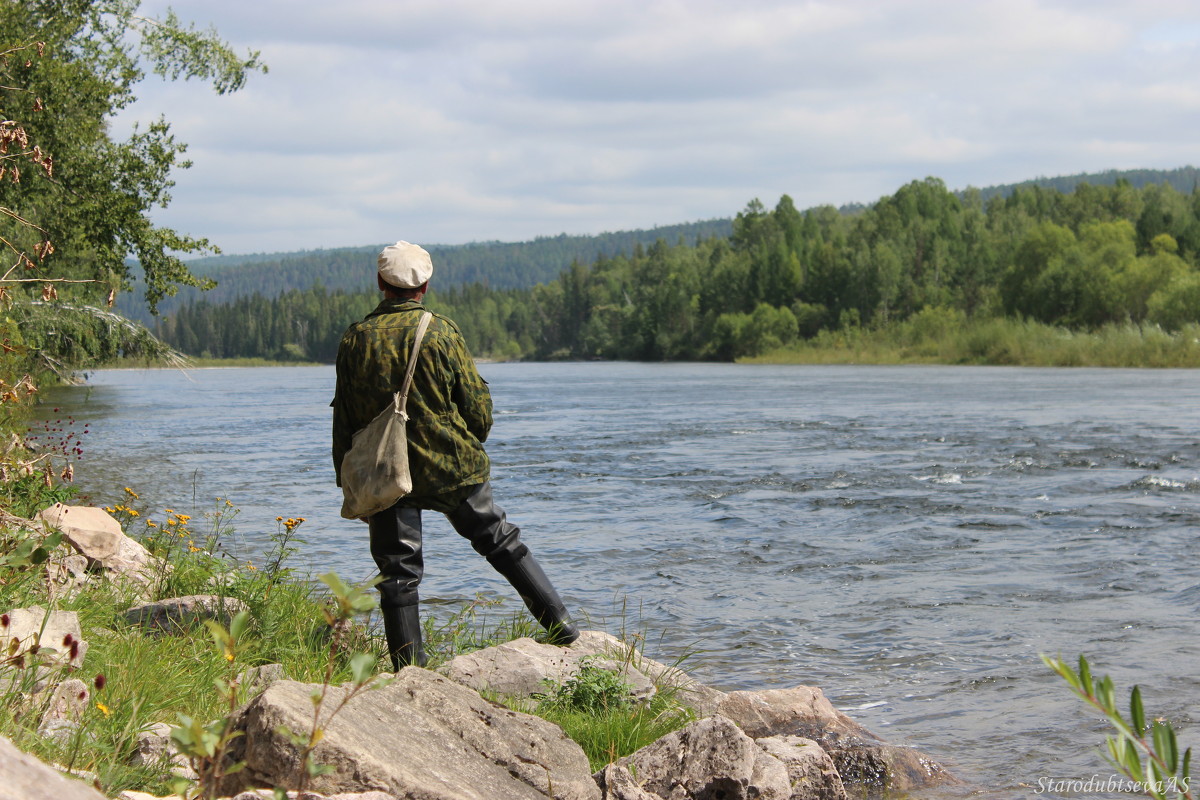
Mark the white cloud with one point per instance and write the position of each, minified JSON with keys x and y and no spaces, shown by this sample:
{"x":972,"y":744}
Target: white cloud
{"x":469,"y":120}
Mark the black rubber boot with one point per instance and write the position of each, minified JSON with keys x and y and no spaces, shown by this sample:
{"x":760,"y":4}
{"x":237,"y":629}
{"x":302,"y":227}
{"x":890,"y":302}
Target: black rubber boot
{"x":527,"y":577}
{"x":402,"y":628}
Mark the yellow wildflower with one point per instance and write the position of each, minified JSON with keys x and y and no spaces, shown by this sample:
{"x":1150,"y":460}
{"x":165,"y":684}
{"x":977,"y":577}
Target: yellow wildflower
{"x":103,"y":708}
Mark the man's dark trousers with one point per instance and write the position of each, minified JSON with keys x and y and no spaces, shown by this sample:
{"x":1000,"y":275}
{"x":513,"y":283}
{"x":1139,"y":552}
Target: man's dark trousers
{"x":396,"y":548}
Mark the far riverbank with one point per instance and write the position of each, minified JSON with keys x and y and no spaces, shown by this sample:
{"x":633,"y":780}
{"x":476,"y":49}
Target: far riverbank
{"x":932,"y":338}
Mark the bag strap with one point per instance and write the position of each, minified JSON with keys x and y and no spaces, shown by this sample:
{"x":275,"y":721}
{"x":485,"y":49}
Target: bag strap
{"x":401,"y":397}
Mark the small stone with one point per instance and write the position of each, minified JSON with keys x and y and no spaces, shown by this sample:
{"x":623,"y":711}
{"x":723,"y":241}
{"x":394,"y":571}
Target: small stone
{"x":255,"y":679}
{"x":68,"y":701}
{"x":48,"y":630}
{"x":60,"y":730}
{"x":155,"y":747}
{"x":179,"y":614}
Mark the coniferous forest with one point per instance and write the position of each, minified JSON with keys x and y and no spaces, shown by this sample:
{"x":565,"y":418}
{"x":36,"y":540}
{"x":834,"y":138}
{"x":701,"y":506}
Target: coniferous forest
{"x":1079,"y":258}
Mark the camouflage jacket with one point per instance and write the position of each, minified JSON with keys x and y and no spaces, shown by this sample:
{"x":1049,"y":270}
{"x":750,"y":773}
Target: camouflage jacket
{"x":449,"y":406}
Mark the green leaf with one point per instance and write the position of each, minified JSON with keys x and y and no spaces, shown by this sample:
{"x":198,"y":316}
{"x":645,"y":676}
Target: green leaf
{"x":1136,"y":713}
{"x":362,"y":667}
{"x":363,"y":603}
{"x":1085,"y":676}
{"x":1165,"y":746}
{"x":219,"y":634}
{"x":1106,"y":696}
{"x":1131,"y":760}
{"x":335,"y":584}
{"x":239,"y":624}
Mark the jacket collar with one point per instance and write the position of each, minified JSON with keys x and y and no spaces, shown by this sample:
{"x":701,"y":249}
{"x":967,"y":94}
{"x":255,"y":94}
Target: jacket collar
{"x":395,"y":305}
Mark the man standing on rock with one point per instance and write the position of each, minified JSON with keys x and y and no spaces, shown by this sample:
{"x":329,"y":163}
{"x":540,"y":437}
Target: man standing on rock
{"x":450,"y":414}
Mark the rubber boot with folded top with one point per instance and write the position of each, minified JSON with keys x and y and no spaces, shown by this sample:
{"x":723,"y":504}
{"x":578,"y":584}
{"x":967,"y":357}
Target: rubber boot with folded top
{"x":540,"y":596}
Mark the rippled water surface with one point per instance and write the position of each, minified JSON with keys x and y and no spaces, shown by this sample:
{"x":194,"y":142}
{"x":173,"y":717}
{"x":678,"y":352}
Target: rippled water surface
{"x":909,"y":539}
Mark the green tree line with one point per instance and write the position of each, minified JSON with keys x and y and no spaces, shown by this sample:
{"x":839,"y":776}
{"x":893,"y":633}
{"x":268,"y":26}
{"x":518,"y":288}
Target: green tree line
{"x":500,"y":265}
{"x":1079,"y":259}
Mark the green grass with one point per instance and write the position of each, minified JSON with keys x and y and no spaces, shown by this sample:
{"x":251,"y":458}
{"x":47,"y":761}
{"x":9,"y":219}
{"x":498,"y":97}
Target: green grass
{"x":594,"y":707}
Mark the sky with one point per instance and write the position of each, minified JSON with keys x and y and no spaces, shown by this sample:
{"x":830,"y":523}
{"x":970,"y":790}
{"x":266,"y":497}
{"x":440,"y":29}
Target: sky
{"x":452,"y":121}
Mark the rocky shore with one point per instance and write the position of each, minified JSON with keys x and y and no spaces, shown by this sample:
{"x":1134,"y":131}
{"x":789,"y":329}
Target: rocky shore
{"x":447,"y":734}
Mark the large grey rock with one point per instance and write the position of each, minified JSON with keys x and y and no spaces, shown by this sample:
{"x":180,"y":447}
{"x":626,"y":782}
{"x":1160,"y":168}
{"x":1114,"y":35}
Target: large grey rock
{"x":861,"y":757}
{"x":48,"y":631}
{"x":706,"y":760}
{"x":420,"y":736}
{"x":524,"y":667}
{"x":800,"y":711}
{"x":810,"y":769}
{"x":23,"y":777}
{"x":180,"y":613}
{"x":616,"y":782}
{"x":99,"y":537}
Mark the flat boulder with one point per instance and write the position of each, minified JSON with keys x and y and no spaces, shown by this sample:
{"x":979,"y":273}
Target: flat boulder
{"x":99,"y":538}
{"x":861,"y":757}
{"x":422,"y":735}
{"x":707,"y":759}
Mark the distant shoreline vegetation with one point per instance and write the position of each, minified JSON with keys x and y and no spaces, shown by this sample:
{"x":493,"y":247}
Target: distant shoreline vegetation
{"x":996,"y":342}
{"x":934,"y":337}
{"x":1098,"y":275}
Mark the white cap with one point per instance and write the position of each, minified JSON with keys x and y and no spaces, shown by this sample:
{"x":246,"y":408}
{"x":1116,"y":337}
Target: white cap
{"x":404,"y":265}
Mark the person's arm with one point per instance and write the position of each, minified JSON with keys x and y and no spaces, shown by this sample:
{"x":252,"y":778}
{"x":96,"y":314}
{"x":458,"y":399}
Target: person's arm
{"x":343,"y":432}
{"x":470,"y":392}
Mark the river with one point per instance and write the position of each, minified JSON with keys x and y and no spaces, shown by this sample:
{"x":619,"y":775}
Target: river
{"x":907,"y":538}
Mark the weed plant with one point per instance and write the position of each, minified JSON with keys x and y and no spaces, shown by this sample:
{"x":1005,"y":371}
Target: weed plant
{"x":1143,"y":750}
{"x":595,"y":707}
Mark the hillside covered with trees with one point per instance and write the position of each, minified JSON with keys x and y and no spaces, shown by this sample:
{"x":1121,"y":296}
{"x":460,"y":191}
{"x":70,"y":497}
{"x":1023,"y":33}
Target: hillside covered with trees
{"x":1079,"y":259}
{"x":500,"y":265}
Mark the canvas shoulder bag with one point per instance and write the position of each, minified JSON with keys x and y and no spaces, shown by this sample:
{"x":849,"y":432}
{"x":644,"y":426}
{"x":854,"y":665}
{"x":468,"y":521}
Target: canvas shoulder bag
{"x":375,"y":468}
